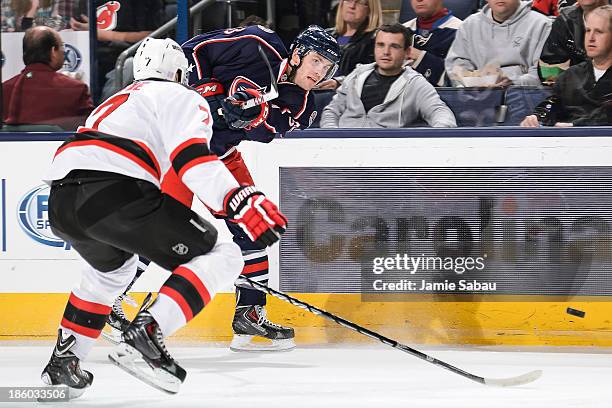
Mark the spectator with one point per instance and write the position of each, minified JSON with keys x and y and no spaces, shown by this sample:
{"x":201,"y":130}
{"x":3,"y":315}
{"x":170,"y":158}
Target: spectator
{"x":120,"y":24}
{"x":39,"y":94}
{"x":253,"y":20}
{"x":356,"y":22}
{"x":385,"y":94}
{"x":435,"y":28}
{"x":550,"y":7}
{"x":566,"y":39}
{"x":18,"y":15}
{"x":582,"y":95}
{"x":506,"y":34}
{"x":66,"y":10}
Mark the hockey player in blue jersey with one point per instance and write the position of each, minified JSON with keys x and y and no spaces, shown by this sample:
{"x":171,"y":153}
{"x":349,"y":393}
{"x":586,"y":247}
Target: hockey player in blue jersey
{"x":227,"y":69}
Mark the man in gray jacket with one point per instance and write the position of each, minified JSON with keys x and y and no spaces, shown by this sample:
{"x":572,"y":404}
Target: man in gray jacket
{"x":506,"y":33}
{"x":385,"y":94}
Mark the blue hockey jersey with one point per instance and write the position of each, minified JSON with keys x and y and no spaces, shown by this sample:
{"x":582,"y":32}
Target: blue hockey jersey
{"x":231,"y":57}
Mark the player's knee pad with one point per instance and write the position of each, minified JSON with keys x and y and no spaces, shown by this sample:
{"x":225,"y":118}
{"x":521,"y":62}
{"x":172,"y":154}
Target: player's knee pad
{"x":103,"y":287}
{"x":219,"y":267}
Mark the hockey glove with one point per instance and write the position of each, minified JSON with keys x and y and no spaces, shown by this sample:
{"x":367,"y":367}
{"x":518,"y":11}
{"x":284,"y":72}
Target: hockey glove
{"x":255,"y":214}
{"x":214,"y":94}
{"x":238,"y":118}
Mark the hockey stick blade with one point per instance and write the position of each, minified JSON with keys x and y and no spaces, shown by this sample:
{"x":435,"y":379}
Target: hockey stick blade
{"x":500,"y":382}
{"x":268,"y":96}
{"x":514,"y":381}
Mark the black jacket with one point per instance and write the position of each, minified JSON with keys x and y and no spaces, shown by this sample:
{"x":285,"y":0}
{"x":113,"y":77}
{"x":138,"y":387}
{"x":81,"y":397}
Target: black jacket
{"x":359,"y":50}
{"x":578,"y":99}
{"x":566,"y":39}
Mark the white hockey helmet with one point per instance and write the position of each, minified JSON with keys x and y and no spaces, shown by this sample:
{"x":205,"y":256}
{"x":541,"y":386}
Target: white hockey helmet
{"x":162,"y":59}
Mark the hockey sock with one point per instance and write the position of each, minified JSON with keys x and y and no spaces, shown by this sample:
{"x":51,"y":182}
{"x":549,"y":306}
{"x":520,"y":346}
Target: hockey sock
{"x":182,"y":295}
{"x":85,"y":320}
{"x":255,"y":268}
{"x":192,"y":285}
{"x":247,"y":297}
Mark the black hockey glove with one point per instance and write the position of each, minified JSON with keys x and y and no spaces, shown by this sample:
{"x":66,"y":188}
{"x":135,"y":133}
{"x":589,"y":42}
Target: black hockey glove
{"x":238,"y":118}
{"x":259,"y":217}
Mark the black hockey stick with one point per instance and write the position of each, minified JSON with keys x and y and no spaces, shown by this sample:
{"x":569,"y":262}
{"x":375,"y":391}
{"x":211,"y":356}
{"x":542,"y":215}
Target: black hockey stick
{"x":268,"y":96}
{"x":500,"y":382}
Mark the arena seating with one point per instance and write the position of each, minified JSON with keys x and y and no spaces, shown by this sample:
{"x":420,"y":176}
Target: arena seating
{"x":460,"y":8}
{"x":476,"y":107}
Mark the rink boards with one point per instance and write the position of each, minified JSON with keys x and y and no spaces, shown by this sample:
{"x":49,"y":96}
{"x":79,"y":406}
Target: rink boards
{"x":544,"y":248}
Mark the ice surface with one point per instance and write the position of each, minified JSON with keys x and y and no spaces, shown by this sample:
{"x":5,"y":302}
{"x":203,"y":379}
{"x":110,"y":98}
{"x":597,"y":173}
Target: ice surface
{"x":334,"y":377}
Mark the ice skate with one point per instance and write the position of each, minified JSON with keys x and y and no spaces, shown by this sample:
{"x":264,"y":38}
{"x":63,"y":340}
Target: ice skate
{"x":250,"y":324}
{"x":116,"y":321}
{"x":64,"y":369}
{"x":143,"y":340}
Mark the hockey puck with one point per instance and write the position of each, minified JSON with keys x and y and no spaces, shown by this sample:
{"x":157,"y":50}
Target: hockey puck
{"x":575,"y":312}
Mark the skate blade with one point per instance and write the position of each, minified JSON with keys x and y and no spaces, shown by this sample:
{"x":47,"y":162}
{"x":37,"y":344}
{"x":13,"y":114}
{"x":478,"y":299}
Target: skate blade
{"x":245,"y":342}
{"x":113,"y":336}
{"x":131,"y":361}
{"x":72,"y":392}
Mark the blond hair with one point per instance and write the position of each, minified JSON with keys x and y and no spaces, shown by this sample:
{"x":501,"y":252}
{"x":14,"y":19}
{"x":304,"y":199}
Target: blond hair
{"x":373,"y":21}
{"x":21,"y":7}
{"x":604,"y":11}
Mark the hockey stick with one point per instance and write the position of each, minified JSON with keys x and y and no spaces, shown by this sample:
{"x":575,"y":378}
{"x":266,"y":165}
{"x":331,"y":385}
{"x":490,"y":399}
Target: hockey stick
{"x":268,"y":96}
{"x":500,"y":382}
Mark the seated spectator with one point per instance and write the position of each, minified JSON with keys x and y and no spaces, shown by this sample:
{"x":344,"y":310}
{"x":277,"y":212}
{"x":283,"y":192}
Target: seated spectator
{"x":566,"y":39}
{"x":39,"y":94}
{"x":356,"y":21}
{"x":550,"y":7}
{"x":18,"y":15}
{"x":434,"y":28}
{"x":506,"y":34}
{"x":120,"y":24}
{"x":385,"y":94}
{"x":582,"y":96}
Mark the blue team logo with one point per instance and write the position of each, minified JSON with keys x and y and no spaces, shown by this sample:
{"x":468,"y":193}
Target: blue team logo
{"x":33,"y":215}
{"x":72,"y":58}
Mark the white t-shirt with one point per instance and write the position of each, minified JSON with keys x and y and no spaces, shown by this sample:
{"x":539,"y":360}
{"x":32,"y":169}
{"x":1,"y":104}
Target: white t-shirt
{"x":147,"y":129}
{"x":598,"y":73}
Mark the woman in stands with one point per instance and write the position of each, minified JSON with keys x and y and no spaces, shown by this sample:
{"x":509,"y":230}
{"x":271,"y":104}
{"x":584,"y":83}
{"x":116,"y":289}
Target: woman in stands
{"x":356,"y":21}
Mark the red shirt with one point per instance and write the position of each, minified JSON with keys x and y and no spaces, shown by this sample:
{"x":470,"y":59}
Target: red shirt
{"x":39,"y":95}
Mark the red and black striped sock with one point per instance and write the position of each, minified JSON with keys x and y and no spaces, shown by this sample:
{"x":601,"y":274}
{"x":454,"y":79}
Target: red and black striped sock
{"x":256,"y":268}
{"x":84,"y":317}
{"x":187,"y":291}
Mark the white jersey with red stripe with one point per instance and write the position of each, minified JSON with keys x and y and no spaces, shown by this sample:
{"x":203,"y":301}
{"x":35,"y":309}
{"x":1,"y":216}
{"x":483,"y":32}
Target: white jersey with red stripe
{"x":143,"y":131}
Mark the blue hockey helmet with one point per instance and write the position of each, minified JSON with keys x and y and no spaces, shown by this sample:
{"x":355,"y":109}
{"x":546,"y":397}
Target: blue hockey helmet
{"x":316,"y":39}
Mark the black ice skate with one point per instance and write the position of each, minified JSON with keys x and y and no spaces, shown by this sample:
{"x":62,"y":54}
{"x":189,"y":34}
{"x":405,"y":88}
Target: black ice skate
{"x":64,"y":368}
{"x":116,"y":321}
{"x":250,"y":323}
{"x":143,"y":339}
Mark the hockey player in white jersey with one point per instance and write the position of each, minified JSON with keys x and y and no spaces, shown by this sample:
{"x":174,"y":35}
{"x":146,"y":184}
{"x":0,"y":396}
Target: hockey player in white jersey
{"x":106,"y":201}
